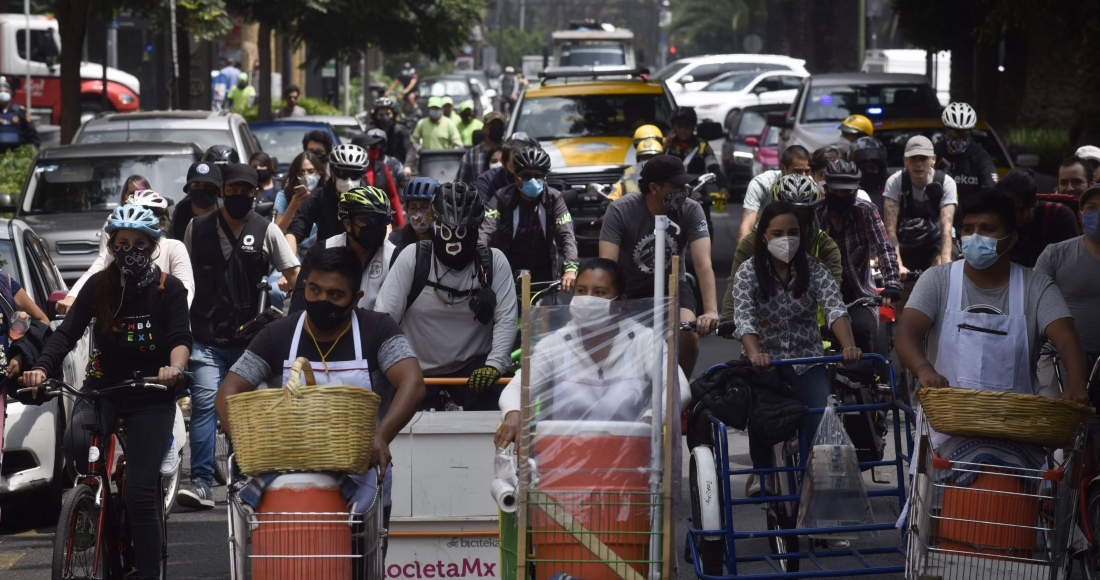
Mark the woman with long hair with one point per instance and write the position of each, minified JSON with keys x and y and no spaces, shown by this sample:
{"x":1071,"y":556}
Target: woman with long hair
{"x":304,"y":178}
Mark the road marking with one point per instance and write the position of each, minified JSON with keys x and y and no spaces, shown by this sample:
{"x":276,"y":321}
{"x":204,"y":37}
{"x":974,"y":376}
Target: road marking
{"x":9,"y":560}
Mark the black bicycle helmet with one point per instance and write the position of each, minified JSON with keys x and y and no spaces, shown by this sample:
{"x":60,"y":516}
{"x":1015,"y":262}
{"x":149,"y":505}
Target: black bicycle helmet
{"x":384,"y":103}
{"x":842,"y":174}
{"x":867,"y":149}
{"x":532,"y":158}
{"x":685,"y":115}
{"x":457,"y":204}
{"x":221,"y":155}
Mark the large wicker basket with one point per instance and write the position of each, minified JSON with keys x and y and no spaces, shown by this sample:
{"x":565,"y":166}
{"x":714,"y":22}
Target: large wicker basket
{"x":1025,"y":418}
{"x":304,"y":428}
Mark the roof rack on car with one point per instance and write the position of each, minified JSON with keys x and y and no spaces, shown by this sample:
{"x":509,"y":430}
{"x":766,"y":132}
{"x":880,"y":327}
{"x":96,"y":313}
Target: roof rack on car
{"x":594,"y":74}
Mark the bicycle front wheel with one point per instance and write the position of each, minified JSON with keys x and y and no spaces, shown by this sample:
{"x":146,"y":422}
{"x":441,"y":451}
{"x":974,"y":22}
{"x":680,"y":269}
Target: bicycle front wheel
{"x":78,"y":549}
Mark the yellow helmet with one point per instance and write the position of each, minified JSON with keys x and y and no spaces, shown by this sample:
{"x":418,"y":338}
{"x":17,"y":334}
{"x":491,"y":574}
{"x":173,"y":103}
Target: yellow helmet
{"x":647,"y":132}
{"x":649,"y":146}
{"x":857,"y":124}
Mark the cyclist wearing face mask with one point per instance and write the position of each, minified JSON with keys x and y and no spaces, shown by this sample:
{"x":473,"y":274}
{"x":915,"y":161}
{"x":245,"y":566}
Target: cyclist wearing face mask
{"x":347,"y":165}
{"x":137,"y":316}
{"x":265,"y":171}
{"x":383,"y":171}
{"x":436,"y":131}
{"x":456,"y":301}
{"x":418,"y":214}
{"x":964,"y":159}
{"x":529,"y":222}
{"x":15,"y":128}
{"x":232,"y":252}
{"x":399,"y":143}
{"x":204,"y":181}
{"x":476,"y":160}
{"x":594,"y":364}
{"x":366,"y":214}
{"x":500,"y":176}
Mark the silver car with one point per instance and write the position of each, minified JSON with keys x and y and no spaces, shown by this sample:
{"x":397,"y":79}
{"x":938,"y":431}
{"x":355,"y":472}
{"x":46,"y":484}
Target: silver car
{"x":204,"y":128}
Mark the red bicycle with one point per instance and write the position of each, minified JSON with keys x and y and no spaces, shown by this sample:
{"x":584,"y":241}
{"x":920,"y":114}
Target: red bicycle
{"x":93,"y":540}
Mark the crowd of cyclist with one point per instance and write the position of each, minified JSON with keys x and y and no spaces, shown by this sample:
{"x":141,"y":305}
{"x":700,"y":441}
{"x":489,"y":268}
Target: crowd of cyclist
{"x":422,"y":273}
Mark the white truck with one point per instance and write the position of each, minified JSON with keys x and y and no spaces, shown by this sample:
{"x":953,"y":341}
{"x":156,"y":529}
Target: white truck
{"x":593,"y":46}
{"x":914,"y":62}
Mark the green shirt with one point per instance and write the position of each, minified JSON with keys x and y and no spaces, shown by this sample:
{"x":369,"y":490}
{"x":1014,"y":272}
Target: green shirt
{"x":241,"y":98}
{"x":467,"y":131}
{"x":441,"y":135}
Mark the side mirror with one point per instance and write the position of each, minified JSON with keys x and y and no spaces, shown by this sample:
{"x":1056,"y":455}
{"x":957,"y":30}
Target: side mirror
{"x":686,"y":79}
{"x":759,"y":89}
{"x":6,"y":203}
{"x":779,"y":119}
{"x":709,"y":131}
{"x":51,"y":304}
{"x":751,"y":141}
{"x":1028,"y":160}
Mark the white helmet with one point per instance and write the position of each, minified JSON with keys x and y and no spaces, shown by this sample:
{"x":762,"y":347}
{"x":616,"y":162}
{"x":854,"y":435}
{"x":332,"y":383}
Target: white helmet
{"x":148,"y":198}
{"x":350,"y":157}
{"x":959,"y":116}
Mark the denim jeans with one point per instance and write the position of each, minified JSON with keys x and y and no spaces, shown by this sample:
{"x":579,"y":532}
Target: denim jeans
{"x":276,"y":296}
{"x":812,"y":388}
{"x":209,"y":363}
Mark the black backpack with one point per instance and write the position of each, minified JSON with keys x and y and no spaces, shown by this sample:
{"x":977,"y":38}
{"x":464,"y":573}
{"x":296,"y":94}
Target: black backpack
{"x":424,"y":266}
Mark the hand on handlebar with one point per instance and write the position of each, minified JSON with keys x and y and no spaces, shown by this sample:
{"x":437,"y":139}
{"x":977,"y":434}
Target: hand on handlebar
{"x":32,"y":378}
{"x":171,"y":377}
{"x":567,"y":281}
{"x":761,"y":360}
{"x":706,"y":323}
{"x":890,"y":296}
{"x":851,"y":354}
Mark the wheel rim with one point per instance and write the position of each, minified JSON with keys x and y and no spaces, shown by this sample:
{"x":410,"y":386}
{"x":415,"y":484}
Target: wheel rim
{"x":83,"y":557}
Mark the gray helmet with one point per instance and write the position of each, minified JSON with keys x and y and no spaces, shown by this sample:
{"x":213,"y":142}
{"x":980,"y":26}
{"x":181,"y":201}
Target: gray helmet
{"x":457,"y":204}
{"x":798,"y":190}
{"x":842,"y":175}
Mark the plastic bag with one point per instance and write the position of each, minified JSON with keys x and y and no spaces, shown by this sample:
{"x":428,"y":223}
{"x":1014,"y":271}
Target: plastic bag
{"x":833,"y":493}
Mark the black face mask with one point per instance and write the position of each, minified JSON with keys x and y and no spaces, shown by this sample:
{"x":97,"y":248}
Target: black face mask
{"x":264,"y":175}
{"x":371,"y":238}
{"x":466,"y":252}
{"x":496,"y":133}
{"x":237,"y":206}
{"x":203,"y":199}
{"x":840,"y":203}
{"x":325,"y":315}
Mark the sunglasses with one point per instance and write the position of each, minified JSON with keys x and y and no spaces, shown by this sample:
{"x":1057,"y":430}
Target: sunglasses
{"x":526,"y":176}
{"x":447,"y":232}
{"x":373,"y":220}
{"x":347,"y":173}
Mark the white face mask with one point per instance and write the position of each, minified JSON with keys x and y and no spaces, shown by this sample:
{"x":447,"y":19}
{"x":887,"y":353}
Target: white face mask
{"x":784,"y":248}
{"x":419,"y":223}
{"x":346,"y":185}
{"x":590,"y":310}
{"x":312,"y":181}
{"x":496,"y":165}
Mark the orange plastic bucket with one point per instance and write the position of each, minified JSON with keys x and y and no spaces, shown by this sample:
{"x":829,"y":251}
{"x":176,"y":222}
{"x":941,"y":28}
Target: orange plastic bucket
{"x":294,"y":529}
{"x":596,"y":472}
{"x":1003,"y":514}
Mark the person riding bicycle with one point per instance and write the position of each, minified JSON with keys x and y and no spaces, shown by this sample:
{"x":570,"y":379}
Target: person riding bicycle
{"x":627,"y":238}
{"x":776,"y":297}
{"x":346,"y":345}
{"x":384,"y":172}
{"x":140,"y":325}
{"x":696,"y":154}
{"x":204,"y":181}
{"x":232,"y":253}
{"x":649,"y":142}
{"x":455,"y":300}
{"x":869,"y":155}
{"x":857,"y":229}
{"x":804,"y":195}
{"x":398,"y":141}
{"x":960,"y":156}
{"x":985,"y":320}
{"x":1039,"y":223}
{"x":418,"y":214}
{"x":347,"y":165}
{"x":495,"y":178}
{"x":171,"y":255}
{"x":762,"y":189}
{"x":919,"y":209}
{"x":529,"y":222}
{"x":366,"y":215}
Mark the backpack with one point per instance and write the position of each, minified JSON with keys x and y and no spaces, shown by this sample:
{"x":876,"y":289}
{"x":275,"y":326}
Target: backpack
{"x":424,"y":266}
{"x":1050,"y":211}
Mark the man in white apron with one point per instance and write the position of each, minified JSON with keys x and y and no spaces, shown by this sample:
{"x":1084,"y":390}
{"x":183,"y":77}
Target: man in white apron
{"x":345,"y":345}
{"x":986,"y":317}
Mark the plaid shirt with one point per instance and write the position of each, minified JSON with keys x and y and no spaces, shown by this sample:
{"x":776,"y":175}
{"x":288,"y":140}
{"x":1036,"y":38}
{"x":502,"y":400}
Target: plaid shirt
{"x":861,"y":233}
{"x":474,"y":163}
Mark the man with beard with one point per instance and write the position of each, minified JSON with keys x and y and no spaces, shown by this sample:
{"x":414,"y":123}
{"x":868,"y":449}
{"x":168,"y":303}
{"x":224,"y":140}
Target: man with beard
{"x":418,"y":214}
{"x":398,"y":142}
{"x":476,"y":160}
{"x":456,"y":302}
{"x":204,"y":181}
{"x":365,"y":213}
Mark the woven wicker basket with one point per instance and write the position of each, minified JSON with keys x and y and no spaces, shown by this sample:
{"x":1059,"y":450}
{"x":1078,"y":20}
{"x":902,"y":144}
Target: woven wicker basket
{"x":304,"y":428}
{"x":1025,"y":418}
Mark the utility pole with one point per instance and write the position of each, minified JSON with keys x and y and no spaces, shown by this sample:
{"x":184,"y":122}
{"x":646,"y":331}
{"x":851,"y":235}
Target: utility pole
{"x":522,"y":15}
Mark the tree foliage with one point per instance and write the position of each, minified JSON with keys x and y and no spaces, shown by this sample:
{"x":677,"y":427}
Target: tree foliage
{"x":515,"y":44}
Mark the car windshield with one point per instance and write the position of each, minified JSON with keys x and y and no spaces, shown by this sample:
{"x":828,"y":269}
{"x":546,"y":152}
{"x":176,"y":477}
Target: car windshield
{"x":282,"y":143}
{"x":895,"y":140}
{"x":7,"y":257}
{"x":593,"y":55}
{"x":732,"y":82}
{"x":586,"y":116}
{"x":93,"y":184}
{"x":669,"y":71}
{"x":457,"y":89}
{"x":205,"y":138}
{"x":828,"y":104}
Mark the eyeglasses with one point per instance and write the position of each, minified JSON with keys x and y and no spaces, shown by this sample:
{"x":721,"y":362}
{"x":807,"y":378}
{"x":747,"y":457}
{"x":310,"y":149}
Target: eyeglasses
{"x":447,"y":232}
{"x":347,"y":173}
{"x":372,"y":220}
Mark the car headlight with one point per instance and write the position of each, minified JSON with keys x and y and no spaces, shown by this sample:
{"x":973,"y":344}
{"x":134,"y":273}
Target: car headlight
{"x":742,"y":157}
{"x":126,"y":99}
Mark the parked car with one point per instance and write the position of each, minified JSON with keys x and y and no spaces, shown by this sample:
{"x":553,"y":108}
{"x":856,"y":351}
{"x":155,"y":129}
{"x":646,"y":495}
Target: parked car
{"x":205,"y":128}
{"x":282,"y":139}
{"x":740,"y":149}
{"x":70,"y":191}
{"x":722,"y":99}
{"x":346,"y":126}
{"x":693,"y":73}
{"x":34,"y":465}
{"x":459,"y":87}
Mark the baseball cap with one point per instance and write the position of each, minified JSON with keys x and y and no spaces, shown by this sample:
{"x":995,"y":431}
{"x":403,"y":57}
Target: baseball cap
{"x":1090,"y":152}
{"x":203,"y":172}
{"x":494,"y":116}
{"x":435,"y":102}
{"x":448,"y":101}
{"x":464,"y":105}
{"x":239,"y":173}
{"x":242,"y":77}
{"x":666,"y":168}
{"x":919,"y":145}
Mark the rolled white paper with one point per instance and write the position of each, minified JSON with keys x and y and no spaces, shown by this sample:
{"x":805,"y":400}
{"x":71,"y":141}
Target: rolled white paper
{"x":504,"y":494}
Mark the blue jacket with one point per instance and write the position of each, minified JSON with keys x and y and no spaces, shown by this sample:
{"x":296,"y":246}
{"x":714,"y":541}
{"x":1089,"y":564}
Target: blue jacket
{"x":16,"y":129}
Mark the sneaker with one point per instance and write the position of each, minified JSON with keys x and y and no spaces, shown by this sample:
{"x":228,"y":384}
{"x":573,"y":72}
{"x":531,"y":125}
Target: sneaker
{"x":196,"y":496}
{"x":752,"y":486}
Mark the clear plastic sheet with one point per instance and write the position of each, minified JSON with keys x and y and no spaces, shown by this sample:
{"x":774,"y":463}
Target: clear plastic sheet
{"x":833,"y":493}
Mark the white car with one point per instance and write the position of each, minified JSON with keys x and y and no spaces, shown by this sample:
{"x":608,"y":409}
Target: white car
{"x":724,"y":97}
{"x":693,"y":73}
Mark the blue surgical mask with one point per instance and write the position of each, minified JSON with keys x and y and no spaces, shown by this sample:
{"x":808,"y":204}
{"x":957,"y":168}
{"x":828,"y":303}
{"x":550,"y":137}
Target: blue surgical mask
{"x":532,"y":188}
{"x":1090,"y":224}
{"x":980,"y":251}
{"x":434,"y":114}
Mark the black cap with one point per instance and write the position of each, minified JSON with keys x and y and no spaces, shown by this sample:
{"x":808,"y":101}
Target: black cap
{"x":240,"y":173}
{"x":203,"y":172}
{"x":666,"y":168}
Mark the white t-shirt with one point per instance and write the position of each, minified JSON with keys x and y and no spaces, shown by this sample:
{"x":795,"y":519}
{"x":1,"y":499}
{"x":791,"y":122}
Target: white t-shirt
{"x":893,"y":190}
{"x":759,"y":192}
{"x":374,"y":274}
{"x":171,"y":256}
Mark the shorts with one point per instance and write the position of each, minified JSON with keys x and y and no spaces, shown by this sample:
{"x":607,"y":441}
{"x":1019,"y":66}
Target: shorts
{"x":685,"y":295}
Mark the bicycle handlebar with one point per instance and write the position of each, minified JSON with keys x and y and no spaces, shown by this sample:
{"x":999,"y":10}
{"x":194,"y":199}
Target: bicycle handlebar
{"x":457,"y":381}
{"x":50,"y":388}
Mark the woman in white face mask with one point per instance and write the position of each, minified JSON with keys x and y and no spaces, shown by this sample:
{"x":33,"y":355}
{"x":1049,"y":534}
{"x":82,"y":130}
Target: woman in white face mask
{"x":776,"y":297}
{"x":596,"y":368}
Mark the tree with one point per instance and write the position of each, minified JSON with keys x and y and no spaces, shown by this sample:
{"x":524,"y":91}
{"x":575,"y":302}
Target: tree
{"x":515,"y":44}
{"x":72,"y":24}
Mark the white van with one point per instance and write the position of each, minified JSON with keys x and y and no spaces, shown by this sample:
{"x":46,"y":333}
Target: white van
{"x":912,"y":61}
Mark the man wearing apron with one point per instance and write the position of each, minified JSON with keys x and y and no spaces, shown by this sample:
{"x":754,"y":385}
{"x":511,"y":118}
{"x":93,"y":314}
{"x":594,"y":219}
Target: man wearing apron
{"x":986,"y":318}
{"x":346,"y":345}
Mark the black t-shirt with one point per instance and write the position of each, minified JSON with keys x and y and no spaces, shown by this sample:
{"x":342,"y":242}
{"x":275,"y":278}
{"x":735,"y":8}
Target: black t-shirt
{"x":1053,"y":223}
{"x":151,"y":324}
{"x":319,"y":209}
{"x":181,"y":217}
{"x":530,"y":250}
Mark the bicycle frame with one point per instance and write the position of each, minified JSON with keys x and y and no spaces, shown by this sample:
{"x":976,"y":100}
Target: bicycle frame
{"x":101,"y":471}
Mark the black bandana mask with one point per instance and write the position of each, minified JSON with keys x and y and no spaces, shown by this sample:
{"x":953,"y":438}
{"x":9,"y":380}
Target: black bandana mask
{"x":453,"y":250}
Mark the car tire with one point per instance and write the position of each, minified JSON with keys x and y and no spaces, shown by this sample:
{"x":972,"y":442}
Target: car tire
{"x":91,"y":107}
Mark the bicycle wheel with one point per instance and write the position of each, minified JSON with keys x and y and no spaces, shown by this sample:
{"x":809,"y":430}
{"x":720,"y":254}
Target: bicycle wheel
{"x":779,"y":519}
{"x":221,"y":456}
{"x":705,"y":514}
{"x":167,"y":497}
{"x":170,"y":486}
{"x":1090,"y":560}
{"x":74,"y":546}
